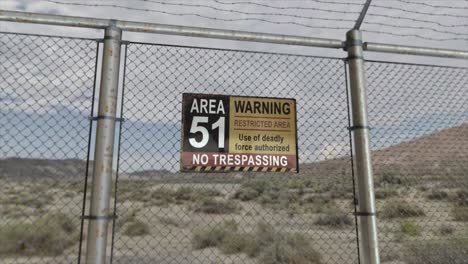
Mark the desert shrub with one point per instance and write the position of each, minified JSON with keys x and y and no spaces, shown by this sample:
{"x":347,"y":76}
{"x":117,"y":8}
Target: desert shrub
{"x":423,"y":188}
{"x":165,"y":196}
{"x":454,"y":251}
{"x":191,"y":194}
{"x":143,"y":196}
{"x":410,"y":228}
{"x":316,"y":208}
{"x":168,"y":221}
{"x":210,"y":192}
{"x":15,"y":212}
{"x":258,"y":241}
{"x":342,"y":194}
{"x":259,"y":185}
{"x":162,"y":197}
{"x":69,"y":194}
{"x":290,"y":249}
{"x":134,"y":190}
{"x":265,"y":234}
{"x":390,"y":255}
{"x":386,"y":193}
{"x":334,"y":219}
{"x":212,"y":236}
{"x":30,"y":199}
{"x":246,"y":194}
{"x":296,"y":184}
{"x":76,"y":187}
{"x":390,"y":178}
{"x":318,"y":199}
{"x":289,"y":197}
{"x":308,"y":183}
{"x":280,"y":199}
{"x":213,"y":206}
{"x":446,"y":230}
{"x":234,"y":243}
{"x":48,"y":236}
{"x":136,"y":228}
{"x":318,"y":204}
{"x":462,"y":198}
{"x":127,"y":217}
{"x":269,"y":197}
{"x":272,"y":193}
{"x":184,"y":193}
{"x":63,"y":222}
{"x":41,"y":188}
{"x":269,"y":245}
{"x":251,"y":190}
{"x":437,"y":195}
{"x":460,"y":213}
{"x":272,"y":246}
{"x":400,"y":209}
{"x":284,"y":199}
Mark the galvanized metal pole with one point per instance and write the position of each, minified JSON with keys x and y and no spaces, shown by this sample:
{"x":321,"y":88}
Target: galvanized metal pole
{"x":99,"y":213}
{"x":363,"y":165}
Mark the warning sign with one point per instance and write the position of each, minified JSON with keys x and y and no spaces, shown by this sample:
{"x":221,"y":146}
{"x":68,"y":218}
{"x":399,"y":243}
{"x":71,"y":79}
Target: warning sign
{"x":235,"y":133}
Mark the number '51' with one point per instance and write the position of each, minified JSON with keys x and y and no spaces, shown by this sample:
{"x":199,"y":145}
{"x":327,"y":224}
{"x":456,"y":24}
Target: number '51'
{"x":198,"y":128}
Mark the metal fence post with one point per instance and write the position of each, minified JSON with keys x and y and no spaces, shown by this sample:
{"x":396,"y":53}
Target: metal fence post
{"x":99,"y":214}
{"x":363,"y":167}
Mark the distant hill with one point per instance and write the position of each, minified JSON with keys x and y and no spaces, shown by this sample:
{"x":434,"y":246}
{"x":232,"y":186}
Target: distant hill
{"x":441,"y":152}
{"x":34,"y":169}
{"x":446,"y":147}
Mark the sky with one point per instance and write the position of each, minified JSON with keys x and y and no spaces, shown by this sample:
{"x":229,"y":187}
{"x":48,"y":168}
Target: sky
{"x":396,"y":15}
{"x":46,"y":93}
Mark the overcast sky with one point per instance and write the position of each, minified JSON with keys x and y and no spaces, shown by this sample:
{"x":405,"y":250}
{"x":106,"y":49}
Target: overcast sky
{"x":397,"y":15}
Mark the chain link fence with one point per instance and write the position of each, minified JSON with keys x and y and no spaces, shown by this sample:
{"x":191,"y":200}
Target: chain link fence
{"x":419,"y":116}
{"x":169,"y":217}
{"x":46,"y":92}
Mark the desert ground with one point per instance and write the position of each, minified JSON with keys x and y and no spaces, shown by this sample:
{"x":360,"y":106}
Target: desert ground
{"x":167,"y":217}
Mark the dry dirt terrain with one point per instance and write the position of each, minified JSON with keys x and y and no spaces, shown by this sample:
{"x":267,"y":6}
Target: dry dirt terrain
{"x":163,"y":217}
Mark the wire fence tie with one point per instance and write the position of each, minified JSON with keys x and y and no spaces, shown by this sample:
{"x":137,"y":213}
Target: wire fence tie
{"x":352,"y":128}
{"x":99,"y":217}
{"x":117,"y":119}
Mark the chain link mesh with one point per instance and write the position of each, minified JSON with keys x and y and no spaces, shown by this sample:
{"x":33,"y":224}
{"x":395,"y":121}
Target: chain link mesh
{"x":419,"y":139}
{"x":46,"y":89}
{"x":169,"y":217}
{"x":418,"y":115}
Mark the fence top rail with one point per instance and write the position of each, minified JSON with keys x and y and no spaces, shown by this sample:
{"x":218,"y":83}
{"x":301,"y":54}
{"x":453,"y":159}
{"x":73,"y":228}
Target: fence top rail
{"x":232,"y":50}
{"x":50,"y":36}
{"x":413,"y":50}
{"x":98,"y":23}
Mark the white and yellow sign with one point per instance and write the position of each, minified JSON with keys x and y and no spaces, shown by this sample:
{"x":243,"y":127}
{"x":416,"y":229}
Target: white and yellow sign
{"x":234,"y":133}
